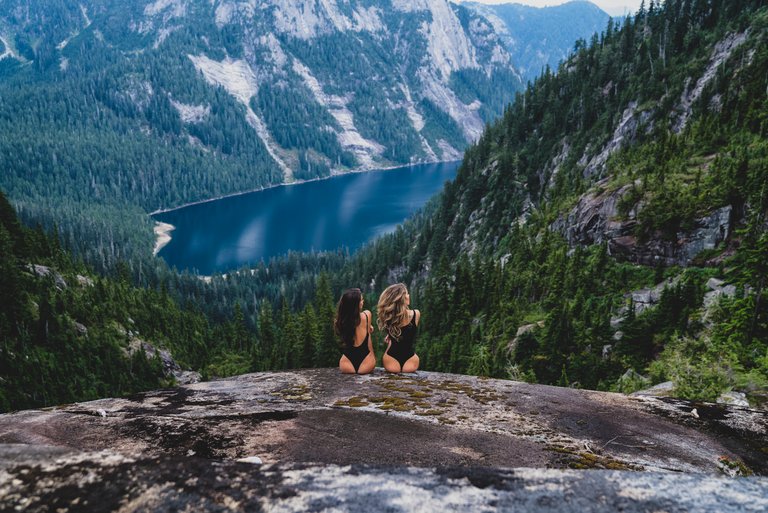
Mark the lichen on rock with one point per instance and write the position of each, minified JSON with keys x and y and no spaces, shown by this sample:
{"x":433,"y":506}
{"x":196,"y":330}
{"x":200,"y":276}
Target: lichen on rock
{"x":320,"y":434}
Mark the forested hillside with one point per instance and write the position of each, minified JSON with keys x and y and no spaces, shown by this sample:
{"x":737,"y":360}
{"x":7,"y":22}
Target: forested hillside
{"x":68,"y":334}
{"x":661,"y":123}
{"x":614,"y":220}
{"x":114,"y":109}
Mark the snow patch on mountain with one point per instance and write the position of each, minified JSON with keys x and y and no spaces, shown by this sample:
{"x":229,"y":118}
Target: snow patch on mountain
{"x":349,"y":137}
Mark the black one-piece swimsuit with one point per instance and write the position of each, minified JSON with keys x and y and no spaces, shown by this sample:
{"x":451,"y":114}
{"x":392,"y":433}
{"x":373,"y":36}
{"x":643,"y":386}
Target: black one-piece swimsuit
{"x":356,"y":354}
{"x":401,"y":348}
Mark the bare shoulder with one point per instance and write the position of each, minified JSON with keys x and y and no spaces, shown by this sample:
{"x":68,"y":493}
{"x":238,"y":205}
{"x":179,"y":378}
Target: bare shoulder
{"x":365,"y":314}
{"x":418,"y":316}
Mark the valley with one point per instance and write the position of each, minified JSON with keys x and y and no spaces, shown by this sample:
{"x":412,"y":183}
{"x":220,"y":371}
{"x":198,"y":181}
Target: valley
{"x":638,"y":164}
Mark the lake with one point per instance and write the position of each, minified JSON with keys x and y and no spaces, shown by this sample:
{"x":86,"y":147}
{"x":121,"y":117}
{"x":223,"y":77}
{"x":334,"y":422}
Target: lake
{"x":343,"y":211}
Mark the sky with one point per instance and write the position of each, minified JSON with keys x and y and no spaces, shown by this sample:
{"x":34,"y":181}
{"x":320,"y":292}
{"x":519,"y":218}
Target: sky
{"x":612,"y":7}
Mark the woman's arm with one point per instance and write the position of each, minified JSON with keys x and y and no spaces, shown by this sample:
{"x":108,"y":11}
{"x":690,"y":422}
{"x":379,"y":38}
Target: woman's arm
{"x":370,"y":330}
{"x":418,"y":315}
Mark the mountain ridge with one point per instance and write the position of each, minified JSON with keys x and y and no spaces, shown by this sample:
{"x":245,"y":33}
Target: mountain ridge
{"x":541,"y":37}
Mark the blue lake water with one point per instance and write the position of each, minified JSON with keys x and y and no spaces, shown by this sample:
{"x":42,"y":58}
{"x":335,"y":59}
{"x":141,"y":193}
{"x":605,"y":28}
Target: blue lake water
{"x":343,"y":211}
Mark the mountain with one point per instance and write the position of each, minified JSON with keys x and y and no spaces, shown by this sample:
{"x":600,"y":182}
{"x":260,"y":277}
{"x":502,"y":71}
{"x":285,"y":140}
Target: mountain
{"x":111,"y":110}
{"x":610,"y":231}
{"x":537,"y":37}
{"x":159,"y":103}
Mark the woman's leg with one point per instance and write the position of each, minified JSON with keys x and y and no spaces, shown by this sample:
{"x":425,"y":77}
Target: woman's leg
{"x":369,"y":363}
{"x":346,"y":366}
{"x":390,"y":364}
{"x":412,"y":365}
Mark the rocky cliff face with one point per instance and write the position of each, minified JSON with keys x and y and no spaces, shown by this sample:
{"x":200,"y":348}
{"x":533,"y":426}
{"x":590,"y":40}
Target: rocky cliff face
{"x":285,"y":441}
{"x":378,"y":83}
{"x":596,"y":220}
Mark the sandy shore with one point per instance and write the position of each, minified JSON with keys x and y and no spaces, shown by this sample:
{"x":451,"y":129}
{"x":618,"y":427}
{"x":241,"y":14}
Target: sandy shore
{"x":163,"y":235}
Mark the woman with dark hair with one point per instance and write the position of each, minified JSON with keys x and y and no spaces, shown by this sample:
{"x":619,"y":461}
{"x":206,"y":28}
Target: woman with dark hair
{"x":399,"y":324}
{"x":353,"y":325}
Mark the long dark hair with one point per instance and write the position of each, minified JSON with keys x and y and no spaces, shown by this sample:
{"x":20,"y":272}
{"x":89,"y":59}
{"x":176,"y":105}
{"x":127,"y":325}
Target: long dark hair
{"x":348,"y":316}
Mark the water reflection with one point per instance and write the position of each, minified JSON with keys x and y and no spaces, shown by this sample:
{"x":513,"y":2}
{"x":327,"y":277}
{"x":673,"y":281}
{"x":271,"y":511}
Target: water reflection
{"x":344,"y":211}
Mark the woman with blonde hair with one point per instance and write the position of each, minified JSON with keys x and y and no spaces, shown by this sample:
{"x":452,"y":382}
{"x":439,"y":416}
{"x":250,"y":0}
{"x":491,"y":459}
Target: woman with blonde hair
{"x":399,"y":324}
{"x":357,"y":357}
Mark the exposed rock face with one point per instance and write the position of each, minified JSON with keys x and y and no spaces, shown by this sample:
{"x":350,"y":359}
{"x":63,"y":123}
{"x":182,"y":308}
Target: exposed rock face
{"x":595,"y":220}
{"x":43,"y":272}
{"x":171,"y":368}
{"x":177,"y":448}
{"x":625,"y":133}
{"x":434,"y":39}
{"x":720,"y":54}
{"x":538,"y":37}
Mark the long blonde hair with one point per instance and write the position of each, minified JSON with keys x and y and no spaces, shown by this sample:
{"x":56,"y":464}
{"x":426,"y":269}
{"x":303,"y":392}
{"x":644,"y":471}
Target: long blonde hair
{"x":392,"y":309}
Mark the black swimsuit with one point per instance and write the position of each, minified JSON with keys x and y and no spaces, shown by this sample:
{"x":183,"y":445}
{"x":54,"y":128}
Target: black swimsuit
{"x":356,"y":354}
{"x":401,"y":348}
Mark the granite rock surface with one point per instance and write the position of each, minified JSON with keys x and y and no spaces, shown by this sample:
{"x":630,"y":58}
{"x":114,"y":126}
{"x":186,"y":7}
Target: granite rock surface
{"x":389,"y":443}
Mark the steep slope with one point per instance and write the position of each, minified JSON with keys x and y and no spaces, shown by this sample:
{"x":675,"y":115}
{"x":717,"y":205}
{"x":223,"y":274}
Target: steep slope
{"x":302,"y":87}
{"x":68,"y":335}
{"x":541,"y":37}
{"x":645,"y":153}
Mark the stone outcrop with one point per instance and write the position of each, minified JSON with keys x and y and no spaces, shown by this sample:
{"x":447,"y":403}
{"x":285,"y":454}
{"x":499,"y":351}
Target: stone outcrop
{"x":625,"y":133}
{"x":595,"y":220}
{"x":332,"y":441}
{"x":171,"y":368}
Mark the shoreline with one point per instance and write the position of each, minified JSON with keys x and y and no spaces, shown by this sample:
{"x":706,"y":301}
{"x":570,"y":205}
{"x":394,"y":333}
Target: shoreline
{"x":296,"y":182}
{"x":162,"y":236}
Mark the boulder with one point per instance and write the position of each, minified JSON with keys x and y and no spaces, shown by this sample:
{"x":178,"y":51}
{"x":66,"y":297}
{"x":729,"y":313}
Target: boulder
{"x":733,"y":398}
{"x":44,"y":271}
{"x":664,"y":389}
